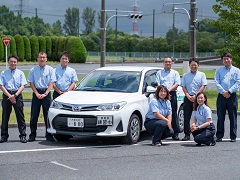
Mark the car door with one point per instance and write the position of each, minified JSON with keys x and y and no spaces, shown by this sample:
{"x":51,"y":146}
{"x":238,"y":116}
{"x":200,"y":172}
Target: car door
{"x":149,"y":78}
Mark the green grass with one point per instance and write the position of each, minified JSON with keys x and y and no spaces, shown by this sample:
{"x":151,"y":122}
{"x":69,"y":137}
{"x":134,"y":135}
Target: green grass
{"x":209,"y":73}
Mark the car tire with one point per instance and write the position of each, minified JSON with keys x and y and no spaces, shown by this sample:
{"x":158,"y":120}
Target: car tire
{"x":61,"y":137}
{"x":133,"y":131}
{"x":180,"y":119}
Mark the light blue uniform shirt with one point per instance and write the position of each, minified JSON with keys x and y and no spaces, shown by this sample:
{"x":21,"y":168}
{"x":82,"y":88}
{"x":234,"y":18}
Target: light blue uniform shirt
{"x":41,"y":77}
{"x":12,"y":79}
{"x":168,"y":78}
{"x":157,"y":105}
{"x":65,"y":77}
{"x":202,"y":114}
{"x":227,"y":79}
{"x":193,"y":81}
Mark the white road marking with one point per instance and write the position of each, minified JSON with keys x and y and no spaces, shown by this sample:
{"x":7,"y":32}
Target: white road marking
{"x":69,"y":148}
{"x":54,"y":162}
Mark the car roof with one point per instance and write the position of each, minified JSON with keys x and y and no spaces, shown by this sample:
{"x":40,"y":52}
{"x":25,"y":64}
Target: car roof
{"x":127,"y":68}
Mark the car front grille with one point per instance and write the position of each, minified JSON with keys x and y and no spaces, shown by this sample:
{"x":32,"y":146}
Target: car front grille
{"x":60,"y":124}
{"x":78,"y":108}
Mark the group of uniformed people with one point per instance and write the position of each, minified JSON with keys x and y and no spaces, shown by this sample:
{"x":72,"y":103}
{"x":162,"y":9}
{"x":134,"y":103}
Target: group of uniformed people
{"x":161,"y":118}
{"x":42,"y":79}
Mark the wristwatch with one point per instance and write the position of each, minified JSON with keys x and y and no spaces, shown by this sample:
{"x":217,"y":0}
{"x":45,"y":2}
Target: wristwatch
{"x":46,"y":93}
{"x":15,"y":95}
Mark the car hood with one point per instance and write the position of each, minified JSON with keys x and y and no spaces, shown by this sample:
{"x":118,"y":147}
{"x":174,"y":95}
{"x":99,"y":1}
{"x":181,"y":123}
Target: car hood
{"x":89,"y":97}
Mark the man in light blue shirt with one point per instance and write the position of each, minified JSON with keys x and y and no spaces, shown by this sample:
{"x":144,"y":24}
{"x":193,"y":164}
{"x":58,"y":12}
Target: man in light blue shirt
{"x":66,"y":77}
{"x":12,"y":82}
{"x":41,"y":78}
{"x":227,"y":79}
{"x":192,"y":83}
{"x":170,"y":78}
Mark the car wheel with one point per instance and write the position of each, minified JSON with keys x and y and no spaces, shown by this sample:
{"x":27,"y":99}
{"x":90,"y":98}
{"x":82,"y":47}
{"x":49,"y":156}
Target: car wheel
{"x":61,"y":137}
{"x":180,"y":119}
{"x":133,"y":131}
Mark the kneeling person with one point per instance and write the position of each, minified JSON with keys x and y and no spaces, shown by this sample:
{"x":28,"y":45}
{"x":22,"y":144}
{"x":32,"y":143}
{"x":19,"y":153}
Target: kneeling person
{"x":205,"y":131}
{"x":159,"y":116}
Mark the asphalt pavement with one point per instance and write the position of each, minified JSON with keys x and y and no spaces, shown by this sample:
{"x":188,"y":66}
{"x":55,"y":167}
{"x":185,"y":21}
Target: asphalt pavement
{"x":108,"y":158}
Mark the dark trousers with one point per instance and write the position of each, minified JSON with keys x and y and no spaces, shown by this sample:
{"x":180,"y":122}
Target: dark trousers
{"x":35,"y":110}
{"x":6,"y":111}
{"x":174,"y":112}
{"x":231,"y":105}
{"x":187,"y":110}
{"x":55,"y":94}
{"x":205,"y":135}
{"x":159,"y":129}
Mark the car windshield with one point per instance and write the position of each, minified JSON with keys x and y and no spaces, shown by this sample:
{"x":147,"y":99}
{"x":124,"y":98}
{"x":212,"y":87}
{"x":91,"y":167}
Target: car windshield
{"x":111,"y":81}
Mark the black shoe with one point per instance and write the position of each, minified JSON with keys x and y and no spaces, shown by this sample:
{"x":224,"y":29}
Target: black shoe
{"x":198,"y":144}
{"x":31,"y":139}
{"x":233,"y":140}
{"x":186,"y":138}
{"x":50,"y":138}
{"x":3,"y":140}
{"x":23,"y":139}
{"x":176,"y":138}
{"x":219,"y":140}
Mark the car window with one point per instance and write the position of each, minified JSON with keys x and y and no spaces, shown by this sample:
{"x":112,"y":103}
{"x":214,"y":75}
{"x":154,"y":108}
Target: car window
{"x":149,"y":78}
{"x":115,"y":81}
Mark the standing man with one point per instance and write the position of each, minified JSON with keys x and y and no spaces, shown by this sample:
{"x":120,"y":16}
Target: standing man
{"x":66,"y":77}
{"x":41,"y":80}
{"x":170,"y":79}
{"x":12,"y":82}
{"x":193,"y":83}
{"x":227,"y":79}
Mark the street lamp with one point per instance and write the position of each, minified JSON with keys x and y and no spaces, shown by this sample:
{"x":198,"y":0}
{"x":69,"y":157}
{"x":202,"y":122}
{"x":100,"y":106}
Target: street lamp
{"x":170,"y":8}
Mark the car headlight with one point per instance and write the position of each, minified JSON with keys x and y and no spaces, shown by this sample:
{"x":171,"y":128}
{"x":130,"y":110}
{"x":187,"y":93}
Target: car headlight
{"x":111,"y":106}
{"x":56,"y":104}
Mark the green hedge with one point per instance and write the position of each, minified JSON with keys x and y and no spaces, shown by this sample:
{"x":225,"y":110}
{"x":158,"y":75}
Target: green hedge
{"x":12,"y":44}
{"x":77,"y":50}
{"x":54,"y":56}
{"x":27,"y":48}
{"x":34,"y":47}
{"x":19,"y":47}
{"x":42,"y":44}
{"x":48,"y":46}
{"x":2,"y":51}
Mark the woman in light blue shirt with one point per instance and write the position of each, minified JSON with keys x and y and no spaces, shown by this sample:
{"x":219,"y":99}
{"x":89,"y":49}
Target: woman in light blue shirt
{"x":202,"y":128}
{"x":159,"y":116}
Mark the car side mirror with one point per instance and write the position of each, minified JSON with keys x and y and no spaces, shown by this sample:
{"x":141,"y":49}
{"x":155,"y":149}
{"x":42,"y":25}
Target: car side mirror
{"x":150,"y":90}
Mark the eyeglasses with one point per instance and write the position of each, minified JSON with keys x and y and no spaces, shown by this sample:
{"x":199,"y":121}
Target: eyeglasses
{"x":42,"y":57}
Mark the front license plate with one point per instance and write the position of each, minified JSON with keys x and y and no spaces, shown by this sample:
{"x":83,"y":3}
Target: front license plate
{"x":104,"y":120}
{"x":75,"y":122}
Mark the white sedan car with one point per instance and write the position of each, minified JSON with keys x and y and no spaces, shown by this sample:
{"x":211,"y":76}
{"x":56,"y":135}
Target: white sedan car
{"x":108,"y":102}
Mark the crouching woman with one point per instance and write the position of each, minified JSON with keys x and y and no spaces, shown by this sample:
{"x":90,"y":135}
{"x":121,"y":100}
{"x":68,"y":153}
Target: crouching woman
{"x":159,"y":116}
{"x":202,"y":128}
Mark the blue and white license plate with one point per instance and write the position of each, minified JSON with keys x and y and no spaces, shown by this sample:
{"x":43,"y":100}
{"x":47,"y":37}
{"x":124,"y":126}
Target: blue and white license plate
{"x":75,"y":122}
{"x":104,"y":120}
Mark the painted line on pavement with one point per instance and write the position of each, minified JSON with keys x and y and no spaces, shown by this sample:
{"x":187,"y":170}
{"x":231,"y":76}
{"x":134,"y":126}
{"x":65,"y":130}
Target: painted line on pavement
{"x":54,"y":149}
{"x":68,"y":167}
{"x":70,"y":148}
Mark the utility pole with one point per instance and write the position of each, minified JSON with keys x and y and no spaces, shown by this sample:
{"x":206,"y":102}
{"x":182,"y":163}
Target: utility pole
{"x":192,"y":29}
{"x":116,"y":30}
{"x":36,"y":22}
{"x":173,"y":35}
{"x":103,"y":34}
{"x":153,"y":29}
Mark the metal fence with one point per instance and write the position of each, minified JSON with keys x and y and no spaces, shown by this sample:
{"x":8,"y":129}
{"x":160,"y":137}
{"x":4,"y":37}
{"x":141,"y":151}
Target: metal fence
{"x":145,"y":55}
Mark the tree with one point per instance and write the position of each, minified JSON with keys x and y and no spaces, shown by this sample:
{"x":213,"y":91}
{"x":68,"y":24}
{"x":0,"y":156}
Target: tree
{"x":57,"y":28}
{"x":228,"y":22}
{"x":88,"y":17}
{"x":99,"y":20}
{"x":71,"y":22}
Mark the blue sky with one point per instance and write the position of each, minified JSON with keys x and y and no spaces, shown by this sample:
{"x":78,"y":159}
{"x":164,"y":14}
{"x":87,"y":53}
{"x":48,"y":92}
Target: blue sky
{"x":52,"y":10}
